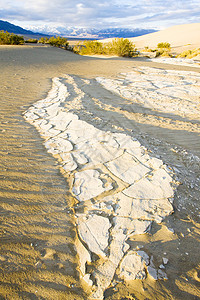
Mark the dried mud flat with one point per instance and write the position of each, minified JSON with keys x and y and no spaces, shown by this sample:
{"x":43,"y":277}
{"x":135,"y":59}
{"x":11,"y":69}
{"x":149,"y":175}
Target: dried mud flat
{"x":145,"y":246}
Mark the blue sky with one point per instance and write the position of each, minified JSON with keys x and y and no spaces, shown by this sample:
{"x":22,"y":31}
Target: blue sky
{"x":157,"y":14}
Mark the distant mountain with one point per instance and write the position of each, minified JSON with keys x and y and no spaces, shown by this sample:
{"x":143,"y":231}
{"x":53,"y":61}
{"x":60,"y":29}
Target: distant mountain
{"x":74,"y":32}
{"x":122,"y":32}
{"x":91,"y":33}
{"x":6,"y":26}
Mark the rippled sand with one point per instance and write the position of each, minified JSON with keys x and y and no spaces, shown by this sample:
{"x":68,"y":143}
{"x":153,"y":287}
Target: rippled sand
{"x":38,"y":257}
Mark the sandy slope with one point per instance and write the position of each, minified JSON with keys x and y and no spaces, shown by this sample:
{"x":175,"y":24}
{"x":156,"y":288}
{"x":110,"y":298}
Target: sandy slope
{"x":180,"y":37}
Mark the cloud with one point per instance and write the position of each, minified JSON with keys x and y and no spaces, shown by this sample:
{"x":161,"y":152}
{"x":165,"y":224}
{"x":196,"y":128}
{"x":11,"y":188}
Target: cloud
{"x":100,"y":13}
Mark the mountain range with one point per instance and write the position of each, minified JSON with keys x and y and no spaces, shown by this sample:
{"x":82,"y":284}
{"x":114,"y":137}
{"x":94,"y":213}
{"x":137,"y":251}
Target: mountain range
{"x":74,"y":32}
{"x":93,"y":33}
{"x":11,"y":28}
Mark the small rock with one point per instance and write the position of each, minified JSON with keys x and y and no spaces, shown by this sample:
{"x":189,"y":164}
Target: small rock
{"x":162,"y":275}
{"x":171,"y":229}
{"x":87,"y":279}
{"x":162,"y":266}
{"x":152,"y":272}
{"x":95,"y":233}
{"x":144,"y":256}
{"x":132,"y":267}
{"x":165,"y":260}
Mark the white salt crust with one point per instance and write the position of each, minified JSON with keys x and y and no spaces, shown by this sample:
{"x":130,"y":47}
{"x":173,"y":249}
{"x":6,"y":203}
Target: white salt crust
{"x":188,"y":62}
{"x":122,"y":187}
{"x":167,"y":91}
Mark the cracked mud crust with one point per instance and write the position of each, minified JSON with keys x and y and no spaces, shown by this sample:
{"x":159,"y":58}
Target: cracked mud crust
{"x":120,"y":188}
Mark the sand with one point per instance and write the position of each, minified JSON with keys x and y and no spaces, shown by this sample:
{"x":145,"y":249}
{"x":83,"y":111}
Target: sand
{"x":181,"y":38}
{"x":37,"y":220}
{"x":173,"y":35}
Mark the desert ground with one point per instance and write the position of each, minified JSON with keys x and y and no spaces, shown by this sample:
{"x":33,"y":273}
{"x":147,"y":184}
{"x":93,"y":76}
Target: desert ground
{"x":39,"y":245}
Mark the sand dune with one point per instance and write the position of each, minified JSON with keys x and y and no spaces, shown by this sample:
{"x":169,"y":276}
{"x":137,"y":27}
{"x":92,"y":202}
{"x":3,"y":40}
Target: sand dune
{"x":180,"y":37}
{"x":177,"y":36}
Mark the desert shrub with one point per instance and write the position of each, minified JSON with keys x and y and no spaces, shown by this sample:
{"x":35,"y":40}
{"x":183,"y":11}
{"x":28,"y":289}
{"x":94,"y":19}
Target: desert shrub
{"x":120,"y":47}
{"x":4,"y":37}
{"x":163,"y":53}
{"x":7,"y":38}
{"x":90,"y":48}
{"x":77,"y":49}
{"x":185,"y":53}
{"x":70,"y":48}
{"x":58,"y":41}
{"x":43,"y":40}
{"x":33,"y":41}
{"x":190,"y":53}
{"x":164,"y":45}
{"x":159,"y":53}
{"x":147,"y":49}
{"x":163,"y":49}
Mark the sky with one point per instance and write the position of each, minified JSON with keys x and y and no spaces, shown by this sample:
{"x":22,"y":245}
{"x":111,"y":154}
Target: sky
{"x":158,"y":14}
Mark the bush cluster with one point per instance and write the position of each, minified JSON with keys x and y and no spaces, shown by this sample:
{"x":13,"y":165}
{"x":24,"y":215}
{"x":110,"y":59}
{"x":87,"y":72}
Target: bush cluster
{"x":32,"y":41}
{"x":163,"y":52}
{"x":57,"y":41}
{"x":164,"y":45}
{"x":43,"y":40}
{"x":190,"y":53}
{"x":7,"y":38}
{"x":120,"y":47}
{"x":89,"y":47}
{"x":163,"y":49}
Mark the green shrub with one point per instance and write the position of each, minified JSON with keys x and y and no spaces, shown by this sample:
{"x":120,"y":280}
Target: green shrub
{"x":163,"y":46}
{"x":10,"y":38}
{"x":189,"y":53}
{"x":159,"y":53}
{"x":43,"y":40}
{"x":120,"y":47}
{"x":185,"y":53}
{"x":33,"y":41}
{"x":90,"y":48}
{"x":58,"y":41}
{"x":163,"y":53}
{"x":163,"y":49}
